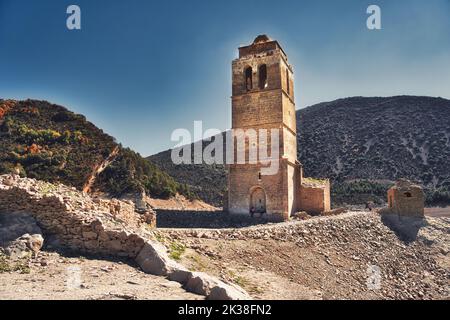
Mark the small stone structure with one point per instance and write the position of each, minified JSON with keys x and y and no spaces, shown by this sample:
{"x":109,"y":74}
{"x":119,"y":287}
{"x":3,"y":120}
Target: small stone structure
{"x":406,"y":199}
{"x":263,"y":99}
{"x":102,"y":226}
{"x":314,"y":196}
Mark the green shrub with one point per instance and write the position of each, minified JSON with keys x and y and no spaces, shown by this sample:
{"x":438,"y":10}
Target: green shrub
{"x":138,"y":174}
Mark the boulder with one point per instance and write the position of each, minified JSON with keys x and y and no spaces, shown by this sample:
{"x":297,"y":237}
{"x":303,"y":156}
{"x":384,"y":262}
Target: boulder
{"x":201,"y":283}
{"x":35,"y":242}
{"x":213,"y":288}
{"x":24,"y":246}
{"x":179,"y":274}
{"x":153,"y":259}
{"x":228,"y":292}
{"x":20,"y":235}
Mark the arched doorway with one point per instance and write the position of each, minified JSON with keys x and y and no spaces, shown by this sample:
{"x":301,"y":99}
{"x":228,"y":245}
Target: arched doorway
{"x":258,"y":200}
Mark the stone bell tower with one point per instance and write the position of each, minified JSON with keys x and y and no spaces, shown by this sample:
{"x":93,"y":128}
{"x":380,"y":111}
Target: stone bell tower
{"x":263,"y":98}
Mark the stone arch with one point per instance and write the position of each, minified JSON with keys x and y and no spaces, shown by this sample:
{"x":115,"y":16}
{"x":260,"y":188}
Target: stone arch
{"x":258,"y":200}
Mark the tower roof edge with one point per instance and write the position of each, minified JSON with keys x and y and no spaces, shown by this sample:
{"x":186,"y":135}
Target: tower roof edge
{"x":261,"y":44}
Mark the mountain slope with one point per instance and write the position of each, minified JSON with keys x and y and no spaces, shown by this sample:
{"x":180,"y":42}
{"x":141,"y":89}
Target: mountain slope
{"x":362,"y":145}
{"x":207,"y":182}
{"x":48,"y":142}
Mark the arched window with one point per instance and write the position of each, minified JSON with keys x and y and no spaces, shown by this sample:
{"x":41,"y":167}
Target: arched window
{"x":248,"y":79}
{"x":262,"y":76}
{"x":288,"y":85}
{"x":408,"y":194}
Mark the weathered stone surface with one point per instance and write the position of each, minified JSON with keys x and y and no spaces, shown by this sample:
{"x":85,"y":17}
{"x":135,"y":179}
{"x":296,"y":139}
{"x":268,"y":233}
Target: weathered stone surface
{"x":114,"y":245}
{"x":201,"y":283}
{"x":406,"y":199}
{"x":20,"y":235}
{"x":179,"y":274}
{"x":35,"y":242}
{"x":103,"y":236}
{"x":228,"y":292}
{"x":89,"y":235}
{"x":91,"y":244}
{"x":153,"y":259}
{"x":213,"y":288}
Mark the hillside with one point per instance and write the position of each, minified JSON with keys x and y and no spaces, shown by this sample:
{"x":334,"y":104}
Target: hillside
{"x":48,"y":142}
{"x":207,"y":182}
{"x":362,"y":145}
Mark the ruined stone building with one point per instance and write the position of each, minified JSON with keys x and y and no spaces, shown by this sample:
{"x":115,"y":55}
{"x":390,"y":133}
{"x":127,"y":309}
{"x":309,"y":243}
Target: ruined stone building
{"x":407,"y":199}
{"x":263,"y":98}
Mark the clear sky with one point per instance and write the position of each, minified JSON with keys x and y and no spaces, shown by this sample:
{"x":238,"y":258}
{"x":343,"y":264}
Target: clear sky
{"x":141,"y":68}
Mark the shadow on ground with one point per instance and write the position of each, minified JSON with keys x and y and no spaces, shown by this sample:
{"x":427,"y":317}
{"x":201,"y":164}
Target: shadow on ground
{"x":406,"y":228}
{"x":51,"y":245}
{"x":206,"y":219}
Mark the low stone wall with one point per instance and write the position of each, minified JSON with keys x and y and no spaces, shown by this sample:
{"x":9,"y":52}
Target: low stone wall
{"x":100,"y":226}
{"x":77,"y":222}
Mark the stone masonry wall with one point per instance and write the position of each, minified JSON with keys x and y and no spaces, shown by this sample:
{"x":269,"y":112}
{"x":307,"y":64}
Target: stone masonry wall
{"x":269,"y":104}
{"x":100,"y":226}
{"x":407,"y":199}
{"x":315,"y":199}
{"x":77,"y":221}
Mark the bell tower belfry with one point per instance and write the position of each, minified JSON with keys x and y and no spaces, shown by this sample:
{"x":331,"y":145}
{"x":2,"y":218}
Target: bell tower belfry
{"x":263,"y":98}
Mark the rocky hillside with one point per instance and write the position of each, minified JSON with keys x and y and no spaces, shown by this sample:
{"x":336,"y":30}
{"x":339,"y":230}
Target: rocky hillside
{"x":48,"y":142}
{"x":362,"y":144}
{"x":355,"y":255}
{"x":378,"y":139}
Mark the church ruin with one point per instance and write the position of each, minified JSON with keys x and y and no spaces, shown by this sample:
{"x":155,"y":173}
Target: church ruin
{"x":263,"y":98}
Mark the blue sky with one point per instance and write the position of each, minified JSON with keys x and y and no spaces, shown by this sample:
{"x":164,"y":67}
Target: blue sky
{"x":140,"y":69}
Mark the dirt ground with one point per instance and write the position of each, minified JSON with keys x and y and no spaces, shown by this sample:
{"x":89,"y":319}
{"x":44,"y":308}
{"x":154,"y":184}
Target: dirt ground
{"x":437,"y":212}
{"x":356,"y":255}
{"x":57,"y":277}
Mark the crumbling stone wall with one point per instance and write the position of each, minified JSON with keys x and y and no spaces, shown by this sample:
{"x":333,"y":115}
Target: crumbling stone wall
{"x":97,"y":226}
{"x":77,"y":222}
{"x":315,"y":198}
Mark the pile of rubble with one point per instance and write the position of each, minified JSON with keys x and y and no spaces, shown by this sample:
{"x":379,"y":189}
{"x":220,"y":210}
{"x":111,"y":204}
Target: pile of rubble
{"x":20,"y":236}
